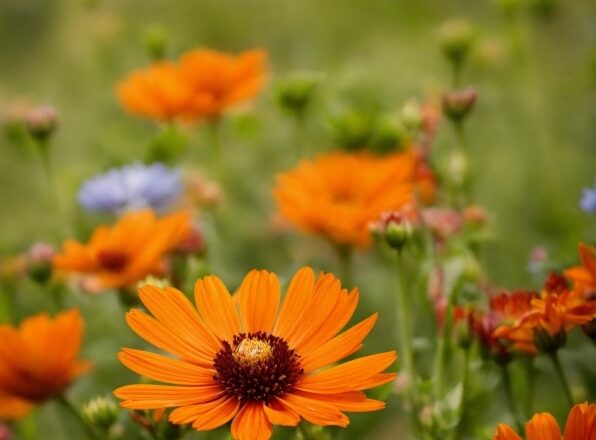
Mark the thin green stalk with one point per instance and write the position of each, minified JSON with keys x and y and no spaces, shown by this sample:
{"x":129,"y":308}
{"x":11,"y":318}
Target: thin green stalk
{"x":299,"y":135}
{"x":456,"y":73}
{"x":439,"y":369}
{"x":306,"y":432}
{"x":466,"y":190}
{"x":530,"y":375}
{"x":404,"y":318}
{"x":554,"y":357}
{"x":75,"y":413}
{"x":344,"y":254}
{"x":511,"y":398}
{"x":216,"y":147}
{"x":464,"y":390}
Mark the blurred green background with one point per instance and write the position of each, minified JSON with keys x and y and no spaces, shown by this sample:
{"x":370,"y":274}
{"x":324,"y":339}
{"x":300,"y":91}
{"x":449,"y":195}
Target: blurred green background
{"x":532,"y":136}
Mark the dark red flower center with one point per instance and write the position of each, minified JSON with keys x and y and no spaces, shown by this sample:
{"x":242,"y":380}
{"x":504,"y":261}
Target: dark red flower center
{"x":256,"y":367}
{"x":113,"y":261}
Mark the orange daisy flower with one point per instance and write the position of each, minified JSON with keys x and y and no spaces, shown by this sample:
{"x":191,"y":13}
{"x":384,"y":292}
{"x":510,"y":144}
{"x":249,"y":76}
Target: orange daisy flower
{"x":339,"y":194}
{"x":584,"y":276}
{"x":38,"y":360}
{"x":203,"y":83}
{"x":241,"y":358}
{"x":157,"y":92}
{"x":127,"y":252}
{"x":581,"y":425}
{"x":220,"y":80}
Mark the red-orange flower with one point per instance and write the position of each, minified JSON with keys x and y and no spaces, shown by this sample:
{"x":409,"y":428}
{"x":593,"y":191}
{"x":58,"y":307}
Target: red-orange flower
{"x":581,"y":425}
{"x":38,"y":360}
{"x":127,"y":252}
{"x":203,"y":83}
{"x":241,"y":358}
{"x":584,"y":276}
{"x":339,"y":194}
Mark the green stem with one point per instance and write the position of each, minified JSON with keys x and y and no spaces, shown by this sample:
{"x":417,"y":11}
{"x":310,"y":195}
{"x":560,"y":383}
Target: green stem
{"x":511,"y":398}
{"x":464,"y":391}
{"x":456,"y":71}
{"x":344,"y":254}
{"x":299,"y":133}
{"x":554,"y":357}
{"x":26,"y":428}
{"x":75,"y":413}
{"x":530,"y":374}
{"x":216,"y":153}
{"x":404,"y":318}
{"x":306,"y":432}
{"x":465,"y":195}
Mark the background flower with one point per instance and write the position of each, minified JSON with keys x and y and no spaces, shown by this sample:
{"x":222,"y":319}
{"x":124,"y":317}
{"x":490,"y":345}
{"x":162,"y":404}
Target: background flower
{"x":132,"y":188}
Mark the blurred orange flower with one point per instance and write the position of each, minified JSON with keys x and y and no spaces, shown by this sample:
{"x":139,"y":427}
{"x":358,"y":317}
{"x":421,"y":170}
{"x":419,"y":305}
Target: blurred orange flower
{"x":38,"y":360}
{"x":219,"y":80}
{"x":203,"y":83}
{"x":127,"y":252}
{"x":339,"y":194}
{"x":240,"y":358}
{"x":584,"y":276}
{"x":581,"y":425}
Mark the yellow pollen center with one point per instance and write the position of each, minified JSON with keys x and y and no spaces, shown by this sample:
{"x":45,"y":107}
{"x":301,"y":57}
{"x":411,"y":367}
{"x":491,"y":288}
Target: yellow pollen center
{"x":251,"y":351}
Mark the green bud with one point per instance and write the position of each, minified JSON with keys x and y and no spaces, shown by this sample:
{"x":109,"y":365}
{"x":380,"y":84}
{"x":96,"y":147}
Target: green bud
{"x":412,"y":117}
{"x":101,"y":412}
{"x":42,"y":122}
{"x":458,"y":104}
{"x":167,"y":146}
{"x":294,"y":94}
{"x":389,"y":135}
{"x":352,"y":130}
{"x":155,"y":39}
{"x":39,"y":262}
{"x":456,"y":38}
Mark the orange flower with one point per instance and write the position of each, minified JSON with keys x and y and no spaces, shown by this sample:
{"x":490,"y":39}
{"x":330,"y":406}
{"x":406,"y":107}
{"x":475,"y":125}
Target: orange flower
{"x":203,"y":84}
{"x":338,"y":195}
{"x":584,"y":276}
{"x":219,"y":80}
{"x":241,"y":358}
{"x":581,"y":425}
{"x":157,"y":92}
{"x":127,"y":252}
{"x":38,"y":360}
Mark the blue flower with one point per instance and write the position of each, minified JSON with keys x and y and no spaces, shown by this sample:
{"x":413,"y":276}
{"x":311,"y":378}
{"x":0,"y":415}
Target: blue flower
{"x":131,"y":188}
{"x":588,"y":200}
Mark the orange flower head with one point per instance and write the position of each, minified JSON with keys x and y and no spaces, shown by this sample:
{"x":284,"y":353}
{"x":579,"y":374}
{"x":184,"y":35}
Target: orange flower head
{"x":584,"y":276}
{"x":38,"y":360}
{"x":220,"y":80}
{"x":581,"y":425}
{"x":247,"y":359}
{"x":338,"y":195}
{"x":127,"y":252}
{"x":157,"y":92}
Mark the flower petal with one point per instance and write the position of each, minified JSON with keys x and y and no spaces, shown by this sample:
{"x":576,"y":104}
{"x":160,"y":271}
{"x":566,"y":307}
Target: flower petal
{"x":258,"y":296}
{"x":314,"y":411}
{"x":543,"y":426}
{"x":217,"y":307}
{"x":278,"y":414}
{"x":164,"y":396}
{"x":504,"y":432}
{"x":217,"y":415}
{"x":251,"y":423}
{"x":297,"y":297}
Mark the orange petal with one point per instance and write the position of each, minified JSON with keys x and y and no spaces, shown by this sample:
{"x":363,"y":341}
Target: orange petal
{"x":504,"y":432}
{"x":314,"y":411}
{"x":581,"y":422}
{"x":352,"y":401}
{"x":217,"y":307}
{"x":13,"y":408}
{"x":339,"y":347}
{"x":217,"y":415}
{"x":155,"y":333}
{"x":375,"y":381}
{"x":348,"y":376}
{"x":251,"y":423}
{"x":543,"y":426}
{"x":258,"y":296}
{"x":189,"y":413}
{"x":297,"y":297}
{"x":278,"y":414}
{"x":163,"y":396}
{"x":173,"y":309}
{"x":164,"y":369}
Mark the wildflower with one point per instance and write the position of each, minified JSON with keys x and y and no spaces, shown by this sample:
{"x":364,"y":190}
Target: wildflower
{"x":157,"y":92}
{"x":223,"y":351}
{"x":132,"y":188}
{"x":581,"y":425}
{"x":219,"y":80}
{"x":588,"y":200}
{"x":38,"y":360}
{"x":39,"y":262}
{"x":41,"y":122}
{"x":338,"y":195}
{"x":133,"y":248}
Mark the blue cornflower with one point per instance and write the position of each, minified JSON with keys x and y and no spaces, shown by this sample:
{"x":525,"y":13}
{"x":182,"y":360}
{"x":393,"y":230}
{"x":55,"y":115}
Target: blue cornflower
{"x":130,"y":188}
{"x":588,"y":201}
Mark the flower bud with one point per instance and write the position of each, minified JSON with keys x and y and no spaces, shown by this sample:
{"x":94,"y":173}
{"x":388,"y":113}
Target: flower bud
{"x":352,"y":130}
{"x":457,"y":104}
{"x":412,"y":116}
{"x":295,"y":93}
{"x":475,"y":215}
{"x":389,"y":136}
{"x":395,"y":228}
{"x":167,"y":146}
{"x":155,"y":39}
{"x":101,"y":412}
{"x":39,"y":262}
{"x":41,"y":122}
{"x":547,"y":343}
{"x":193,"y":244}
{"x":456,"y":38}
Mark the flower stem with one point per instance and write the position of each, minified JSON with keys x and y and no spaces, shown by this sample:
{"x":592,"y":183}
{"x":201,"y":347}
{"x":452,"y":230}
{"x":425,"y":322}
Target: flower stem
{"x":306,"y":432}
{"x":75,"y":413}
{"x":464,"y":390}
{"x":554,"y":357}
{"x":216,"y":153}
{"x":344,"y":254}
{"x":299,"y":133}
{"x":511,"y":398}
{"x":404,"y":318}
